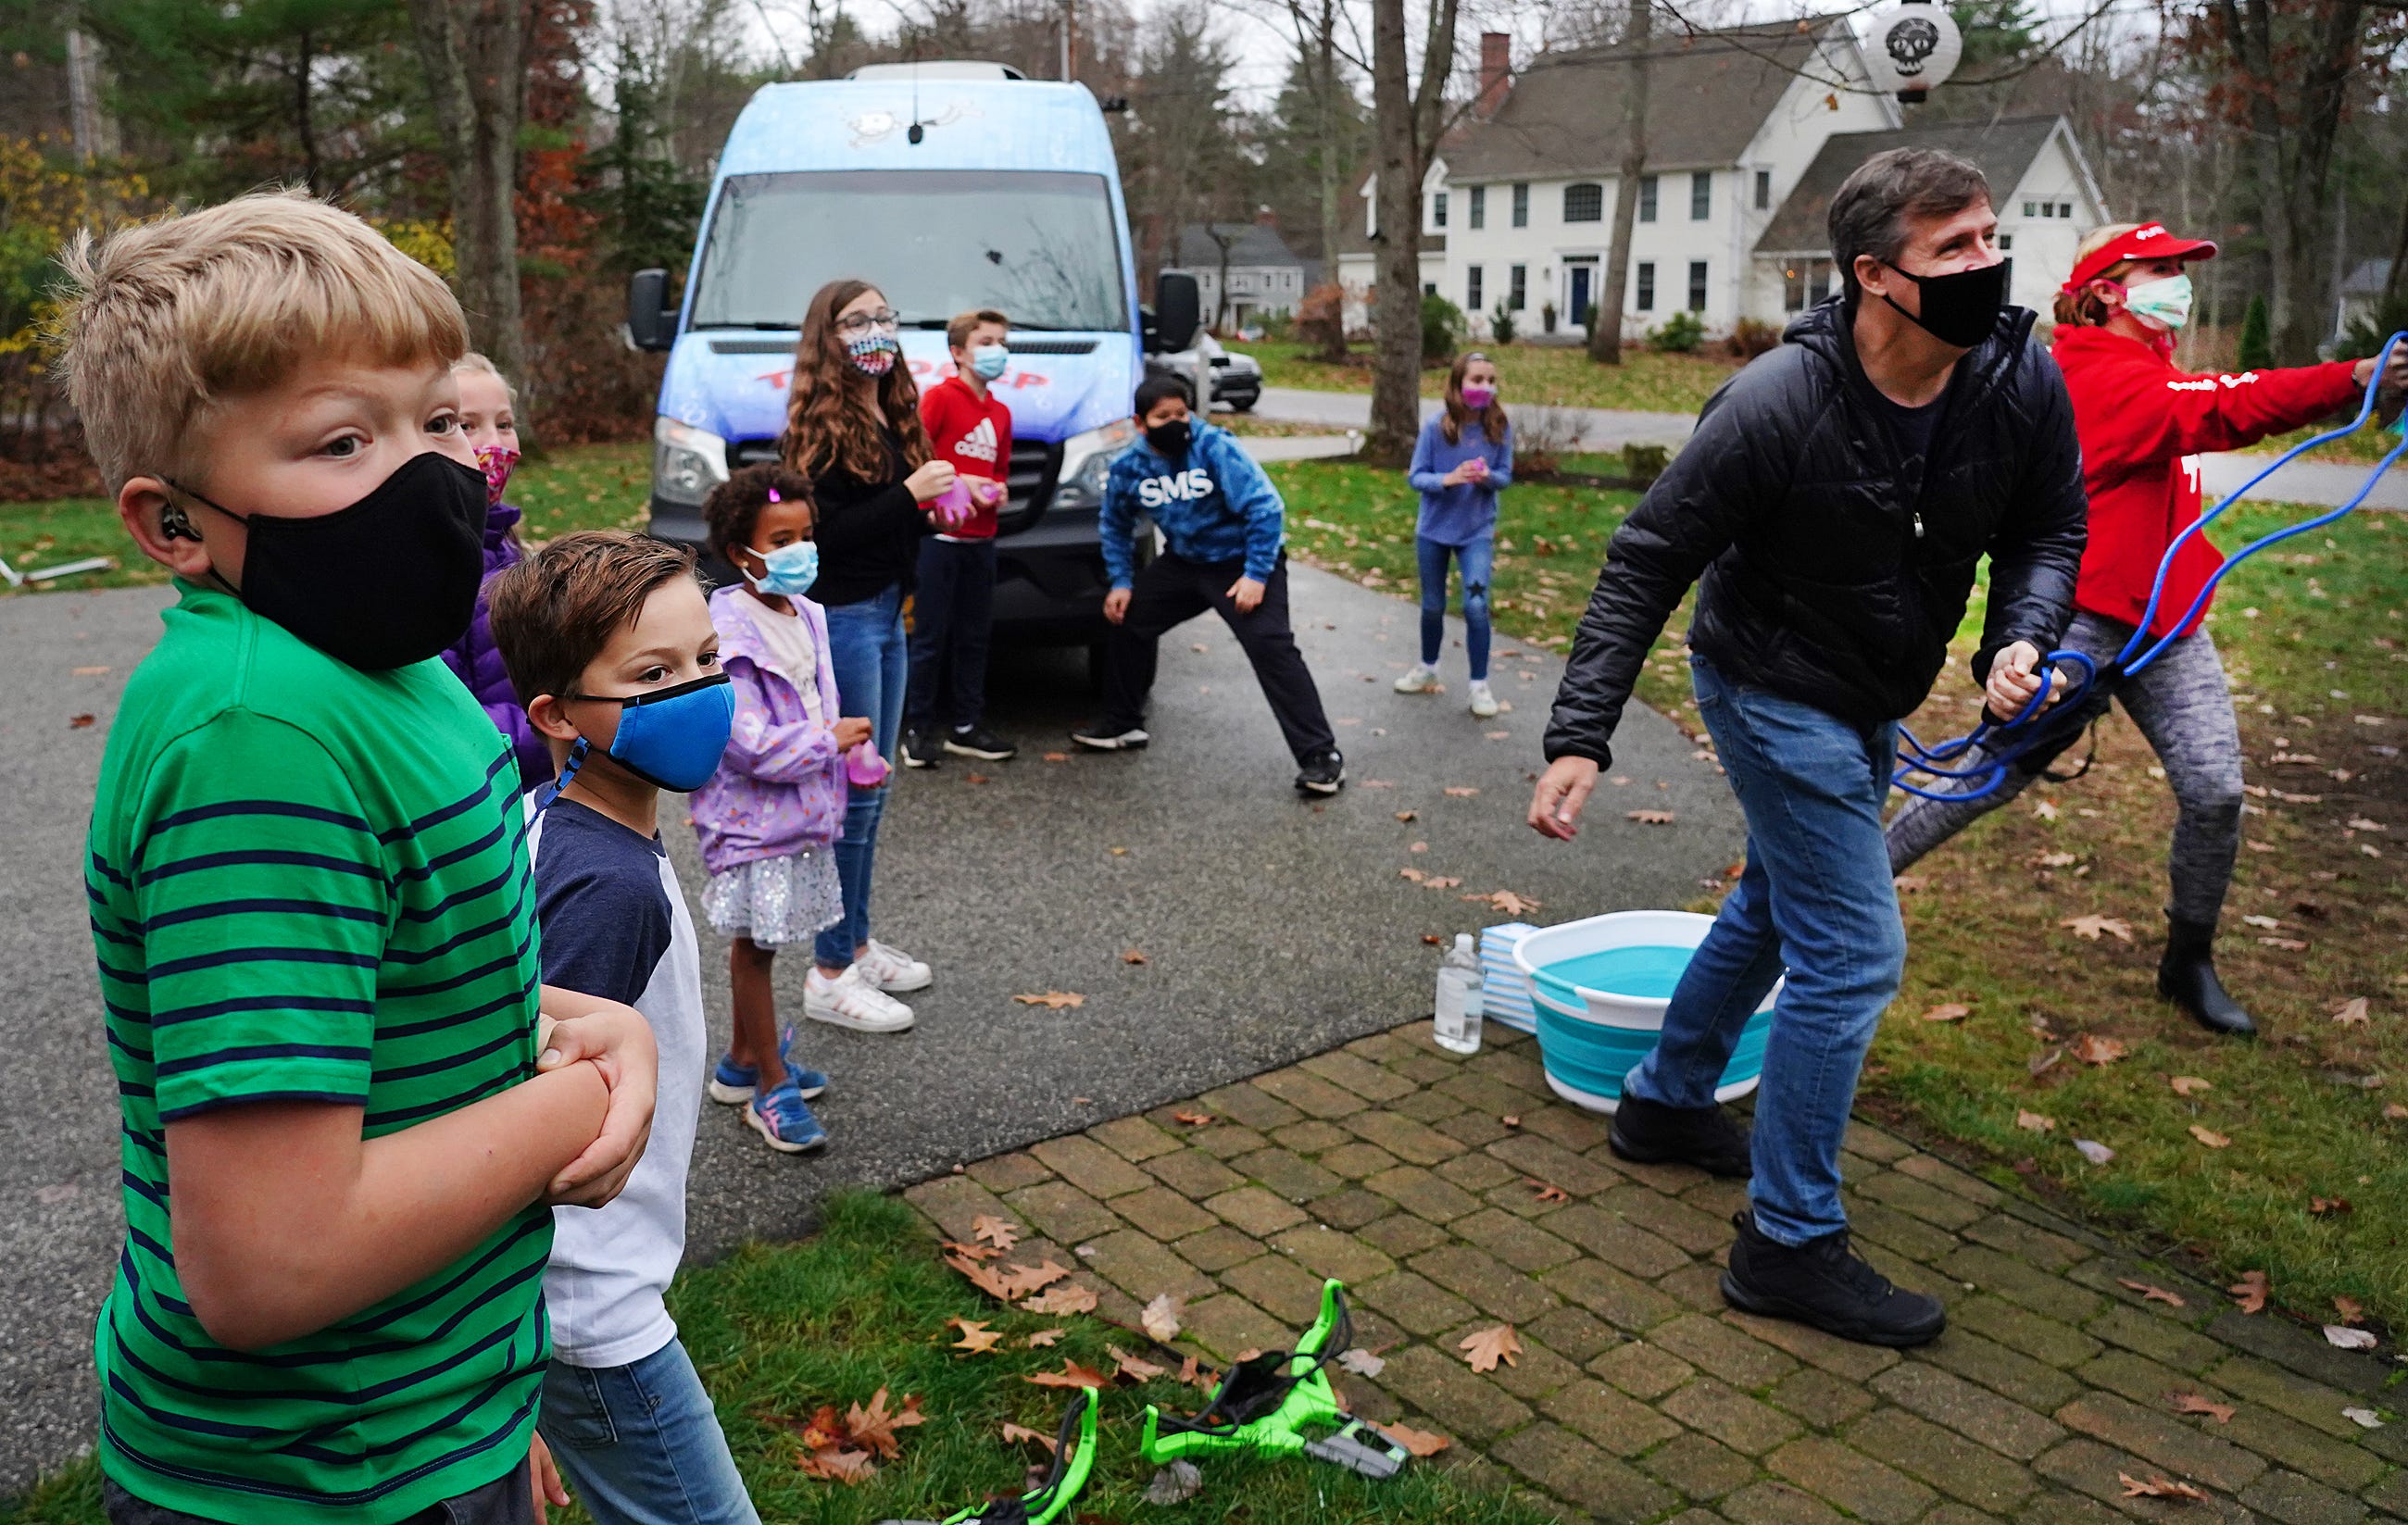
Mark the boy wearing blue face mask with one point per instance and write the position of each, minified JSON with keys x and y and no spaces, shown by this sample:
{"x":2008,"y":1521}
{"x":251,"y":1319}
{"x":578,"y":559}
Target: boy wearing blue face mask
{"x":954,"y":608}
{"x":607,"y":636}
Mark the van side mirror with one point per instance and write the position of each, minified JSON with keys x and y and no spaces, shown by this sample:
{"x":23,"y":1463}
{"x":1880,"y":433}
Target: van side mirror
{"x":651,"y":323}
{"x":1179,"y":310}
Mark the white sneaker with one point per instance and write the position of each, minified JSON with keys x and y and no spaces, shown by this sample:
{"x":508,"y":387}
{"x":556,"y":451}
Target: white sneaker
{"x":1422,"y":680}
{"x":1484,"y":700}
{"x":892,"y":970}
{"x":850,"y":1001}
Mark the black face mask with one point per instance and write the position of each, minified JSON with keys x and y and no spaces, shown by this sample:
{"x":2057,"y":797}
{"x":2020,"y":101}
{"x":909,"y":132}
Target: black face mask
{"x":1169,"y":440}
{"x":388,"y":581}
{"x":1959,"y":308}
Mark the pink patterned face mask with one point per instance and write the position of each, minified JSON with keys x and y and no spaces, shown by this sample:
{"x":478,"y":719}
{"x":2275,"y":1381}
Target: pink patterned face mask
{"x":497,"y":461}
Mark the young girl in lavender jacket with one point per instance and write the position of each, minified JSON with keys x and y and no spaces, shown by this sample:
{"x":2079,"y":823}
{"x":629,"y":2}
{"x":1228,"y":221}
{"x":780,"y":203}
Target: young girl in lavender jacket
{"x":769,"y":818}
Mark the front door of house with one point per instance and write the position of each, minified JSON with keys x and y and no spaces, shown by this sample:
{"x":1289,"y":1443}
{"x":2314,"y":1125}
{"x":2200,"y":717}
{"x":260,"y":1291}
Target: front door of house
{"x":1582,"y":275}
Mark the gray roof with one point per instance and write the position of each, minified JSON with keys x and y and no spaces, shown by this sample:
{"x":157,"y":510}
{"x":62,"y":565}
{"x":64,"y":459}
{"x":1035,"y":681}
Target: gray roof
{"x":2004,"y":149}
{"x":2368,"y":278}
{"x":1255,"y":244}
{"x":1707,"y":95}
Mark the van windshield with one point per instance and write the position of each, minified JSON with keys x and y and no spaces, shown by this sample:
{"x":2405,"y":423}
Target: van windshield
{"x":1038,"y":245}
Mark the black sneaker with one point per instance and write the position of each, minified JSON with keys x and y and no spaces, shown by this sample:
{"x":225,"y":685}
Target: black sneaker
{"x":920,"y":748}
{"x":1323,"y":773}
{"x":1103,"y":736}
{"x":1825,"y":1285}
{"x":1652,"y":1133}
{"x":980,"y":742}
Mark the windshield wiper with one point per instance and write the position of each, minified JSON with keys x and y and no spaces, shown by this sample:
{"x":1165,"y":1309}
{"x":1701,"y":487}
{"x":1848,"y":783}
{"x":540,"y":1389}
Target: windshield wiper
{"x":1042,"y":328}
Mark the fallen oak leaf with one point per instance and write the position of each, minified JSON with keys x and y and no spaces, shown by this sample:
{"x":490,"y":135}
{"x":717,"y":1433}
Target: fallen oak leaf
{"x":2034,"y":1123}
{"x":1362,"y":1362}
{"x":1057,"y":757}
{"x":2089,"y":927}
{"x":1045,"y":1337}
{"x":1910,"y":884}
{"x":80,"y":722}
{"x":1649,"y":818}
{"x":1948,"y":1011}
{"x":2093,"y":1151}
{"x":2191,"y":1402}
{"x":2159,"y":1487}
{"x":1192,"y":1119}
{"x":1160,"y":1318}
{"x":1510,"y":1121}
{"x":2365,"y":1419}
{"x":999,"y":1231}
{"x":1409,"y":815}
{"x":2288,"y":944}
{"x":1067,"y":1298}
{"x":1483,"y":1348}
{"x":1439,"y":883}
{"x":850,"y":1468}
{"x":986,"y":1278}
{"x":2394,"y":1112}
{"x":976,"y":1337}
{"x":2353,"y":1013}
{"x":2326,"y":1206}
{"x":1460,"y":792}
{"x":2250,"y":1292}
{"x":2344,"y":1337}
{"x":975,"y":1252}
{"x":1014,"y":1434}
{"x":2189,"y":1085}
{"x":873,"y":1428}
{"x":1545,"y":1190}
{"x":1072,"y":1374}
{"x":1023,"y":1281}
{"x":1133,"y":1367}
{"x":1053,"y":1000}
{"x":2149,"y":1293}
{"x":1507,"y":902}
{"x":1197,"y":1375}
{"x":1416,"y":875}
{"x":2351,"y":1310}
{"x":2093,"y":1049}
{"x":1419,"y":1443}
{"x":2210,"y":1138}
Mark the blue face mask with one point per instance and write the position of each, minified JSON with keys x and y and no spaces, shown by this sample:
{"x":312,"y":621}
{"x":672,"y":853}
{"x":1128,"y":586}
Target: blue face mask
{"x":989,"y":359}
{"x":788,"y":571}
{"x":671,"y":738}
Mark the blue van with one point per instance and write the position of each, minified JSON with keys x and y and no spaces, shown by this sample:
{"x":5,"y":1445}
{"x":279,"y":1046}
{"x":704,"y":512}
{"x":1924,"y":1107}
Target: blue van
{"x":951,"y":186}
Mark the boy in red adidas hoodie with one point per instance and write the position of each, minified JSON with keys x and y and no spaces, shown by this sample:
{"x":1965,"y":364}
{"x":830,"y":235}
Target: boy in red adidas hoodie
{"x":954,"y":608}
{"x":2142,"y":423}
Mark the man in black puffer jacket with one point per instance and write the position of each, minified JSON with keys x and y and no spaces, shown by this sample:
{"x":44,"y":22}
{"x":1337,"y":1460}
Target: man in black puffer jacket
{"x":1832,"y":508}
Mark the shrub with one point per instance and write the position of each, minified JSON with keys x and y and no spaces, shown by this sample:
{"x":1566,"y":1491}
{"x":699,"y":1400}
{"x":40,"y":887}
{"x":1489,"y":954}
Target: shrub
{"x":1643,"y":464}
{"x":1443,"y":327}
{"x":1501,"y":323}
{"x":2257,"y":336}
{"x":1321,"y":321}
{"x":1547,"y":315}
{"x":1680,"y":335}
{"x":1751,"y":337}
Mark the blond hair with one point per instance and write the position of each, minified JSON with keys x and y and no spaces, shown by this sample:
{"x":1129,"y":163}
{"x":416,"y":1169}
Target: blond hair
{"x":2083,"y":308}
{"x":163,"y":318}
{"x":476,"y":360}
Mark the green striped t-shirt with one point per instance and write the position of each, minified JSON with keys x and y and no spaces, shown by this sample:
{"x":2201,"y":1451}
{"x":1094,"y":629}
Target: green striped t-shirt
{"x":310,"y":883}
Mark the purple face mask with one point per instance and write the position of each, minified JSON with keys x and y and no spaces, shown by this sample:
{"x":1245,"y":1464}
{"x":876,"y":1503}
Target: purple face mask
{"x":1476,"y":398}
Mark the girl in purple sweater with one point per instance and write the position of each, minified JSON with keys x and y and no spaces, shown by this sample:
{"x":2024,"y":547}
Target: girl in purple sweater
{"x":769,"y":818}
{"x":485,"y":418}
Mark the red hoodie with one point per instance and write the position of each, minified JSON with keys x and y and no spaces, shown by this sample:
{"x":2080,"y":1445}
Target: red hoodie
{"x":2141,"y":423}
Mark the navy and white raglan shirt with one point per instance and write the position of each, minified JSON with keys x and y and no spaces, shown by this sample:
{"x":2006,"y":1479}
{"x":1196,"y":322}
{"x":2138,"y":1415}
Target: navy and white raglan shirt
{"x":614,"y":924}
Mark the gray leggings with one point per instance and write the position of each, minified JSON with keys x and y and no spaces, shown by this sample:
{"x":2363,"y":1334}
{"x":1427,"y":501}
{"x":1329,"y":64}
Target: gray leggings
{"x":2181,"y":704}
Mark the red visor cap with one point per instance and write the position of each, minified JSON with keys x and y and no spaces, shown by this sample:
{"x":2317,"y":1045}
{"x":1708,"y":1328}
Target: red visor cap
{"x":2149,"y":241}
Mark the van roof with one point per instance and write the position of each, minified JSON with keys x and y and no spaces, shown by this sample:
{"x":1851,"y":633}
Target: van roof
{"x":937,"y":68}
{"x":966,"y":122}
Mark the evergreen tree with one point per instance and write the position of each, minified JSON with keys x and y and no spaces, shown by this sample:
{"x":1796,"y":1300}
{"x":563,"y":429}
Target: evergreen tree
{"x":649,"y":208}
{"x":2257,"y":336}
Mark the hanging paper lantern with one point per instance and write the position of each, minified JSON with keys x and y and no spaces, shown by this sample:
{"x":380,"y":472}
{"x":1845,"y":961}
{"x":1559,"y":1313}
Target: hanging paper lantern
{"x":1916,"y":46}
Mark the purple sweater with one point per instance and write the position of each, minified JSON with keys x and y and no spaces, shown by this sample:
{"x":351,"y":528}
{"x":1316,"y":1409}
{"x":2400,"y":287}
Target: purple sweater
{"x":477,"y":663}
{"x":781,"y":787}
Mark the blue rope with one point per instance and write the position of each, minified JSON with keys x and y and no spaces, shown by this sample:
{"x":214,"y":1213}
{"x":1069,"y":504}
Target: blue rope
{"x":2005,"y":742}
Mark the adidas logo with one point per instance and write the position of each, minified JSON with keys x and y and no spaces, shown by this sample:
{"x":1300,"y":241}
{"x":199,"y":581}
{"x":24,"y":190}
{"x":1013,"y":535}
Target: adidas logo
{"x":980,"y":443}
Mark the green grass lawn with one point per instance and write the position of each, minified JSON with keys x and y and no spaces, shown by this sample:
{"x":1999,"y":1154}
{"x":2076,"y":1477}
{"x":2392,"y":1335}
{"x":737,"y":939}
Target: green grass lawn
{"x":780,"y":1331}
{"x":581,"y":486}
{"x":2315,"y":637}
{"x":1645,"y":381}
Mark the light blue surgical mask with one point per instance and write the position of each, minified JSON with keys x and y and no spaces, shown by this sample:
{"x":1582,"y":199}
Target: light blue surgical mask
{"x":989,"y":359}
{"x":2166,"y":300}
{"x":671,"y":738}
{"x":788,"y":571}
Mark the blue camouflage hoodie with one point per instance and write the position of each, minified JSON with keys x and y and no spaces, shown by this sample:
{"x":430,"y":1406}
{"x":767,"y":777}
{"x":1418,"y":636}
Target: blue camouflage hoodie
{"x":1216,"y":506}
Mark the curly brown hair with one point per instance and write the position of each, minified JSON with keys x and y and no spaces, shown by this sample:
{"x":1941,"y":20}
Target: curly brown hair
{"x":827,"y":425}
{"x":733,"y":510}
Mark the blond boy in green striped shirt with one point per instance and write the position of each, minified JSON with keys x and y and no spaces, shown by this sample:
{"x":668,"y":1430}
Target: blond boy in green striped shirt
{"x":311,"y":910}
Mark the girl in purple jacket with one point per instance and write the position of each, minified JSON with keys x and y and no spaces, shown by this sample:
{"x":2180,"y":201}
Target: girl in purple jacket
{"x":486,"y":402}
{"x":769,"y":818}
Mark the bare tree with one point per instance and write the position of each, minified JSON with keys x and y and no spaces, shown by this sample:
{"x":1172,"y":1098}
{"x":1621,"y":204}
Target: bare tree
{"x":1605,"y":310}
{"x":1406,"y":119}
{"x":474,"y":52}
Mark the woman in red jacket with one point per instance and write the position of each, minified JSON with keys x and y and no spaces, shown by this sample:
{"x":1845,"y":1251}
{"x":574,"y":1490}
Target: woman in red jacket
{"x":2142,"y":423}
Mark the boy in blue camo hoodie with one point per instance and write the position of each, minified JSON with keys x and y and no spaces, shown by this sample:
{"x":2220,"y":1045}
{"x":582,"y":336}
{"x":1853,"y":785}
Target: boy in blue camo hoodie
{"x":1222,"y":526}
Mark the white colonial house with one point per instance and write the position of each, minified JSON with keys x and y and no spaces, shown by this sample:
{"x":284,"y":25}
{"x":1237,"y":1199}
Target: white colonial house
{"x":1266,"y":276}
{"x":1749,"y":130}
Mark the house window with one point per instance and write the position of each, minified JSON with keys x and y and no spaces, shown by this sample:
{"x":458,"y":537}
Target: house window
{"x":1478,"y":207}
{"x":1429,"y":287}
{"x":1520,"y":206}
{"x":1438,"y":210}
{"x":1471,"y":289}
{"x":2032,"y":208}
{"x":1517,"y":288}
{"x":1646,"y":302}
{"x":1584,"y":202}
{"x":1702,"y":195}
{"x":1764,"y":189}
{"x":1696,"y":285}
{"x":2065,"y":210}
{"x":1646,"y":198}
{"x":2006,"y":240}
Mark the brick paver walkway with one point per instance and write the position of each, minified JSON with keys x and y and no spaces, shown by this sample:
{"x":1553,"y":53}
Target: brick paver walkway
{"x":1637,"y":1394}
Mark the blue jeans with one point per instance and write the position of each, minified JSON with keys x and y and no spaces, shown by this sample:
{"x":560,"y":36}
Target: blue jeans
{"x":1476,"y":561}
{"x":1816,"y":899}
{"x":865,"y":646}
{"x":642,"y":1445}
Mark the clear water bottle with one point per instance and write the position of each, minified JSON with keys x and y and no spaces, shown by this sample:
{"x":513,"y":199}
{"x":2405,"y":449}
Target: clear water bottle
{"x":1457,"y":1020}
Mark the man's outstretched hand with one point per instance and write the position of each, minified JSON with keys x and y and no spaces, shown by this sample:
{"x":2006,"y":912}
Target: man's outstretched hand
{"x":1563,"y":790}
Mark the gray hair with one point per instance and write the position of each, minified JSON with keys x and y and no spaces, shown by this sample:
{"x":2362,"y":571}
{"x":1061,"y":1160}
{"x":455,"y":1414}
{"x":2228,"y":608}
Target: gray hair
{"x":1870,"y":209}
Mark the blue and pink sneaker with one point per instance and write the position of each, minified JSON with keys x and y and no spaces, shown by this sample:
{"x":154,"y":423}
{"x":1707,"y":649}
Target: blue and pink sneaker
{"x":734,"y":1084}
{"x":784,"y":1120}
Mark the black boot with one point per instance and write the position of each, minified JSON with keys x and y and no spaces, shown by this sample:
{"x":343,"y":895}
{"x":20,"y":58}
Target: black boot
{"x":2187,"y":978}
{"x":1652,"y":1133}
{"x":1825,"y":1285}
